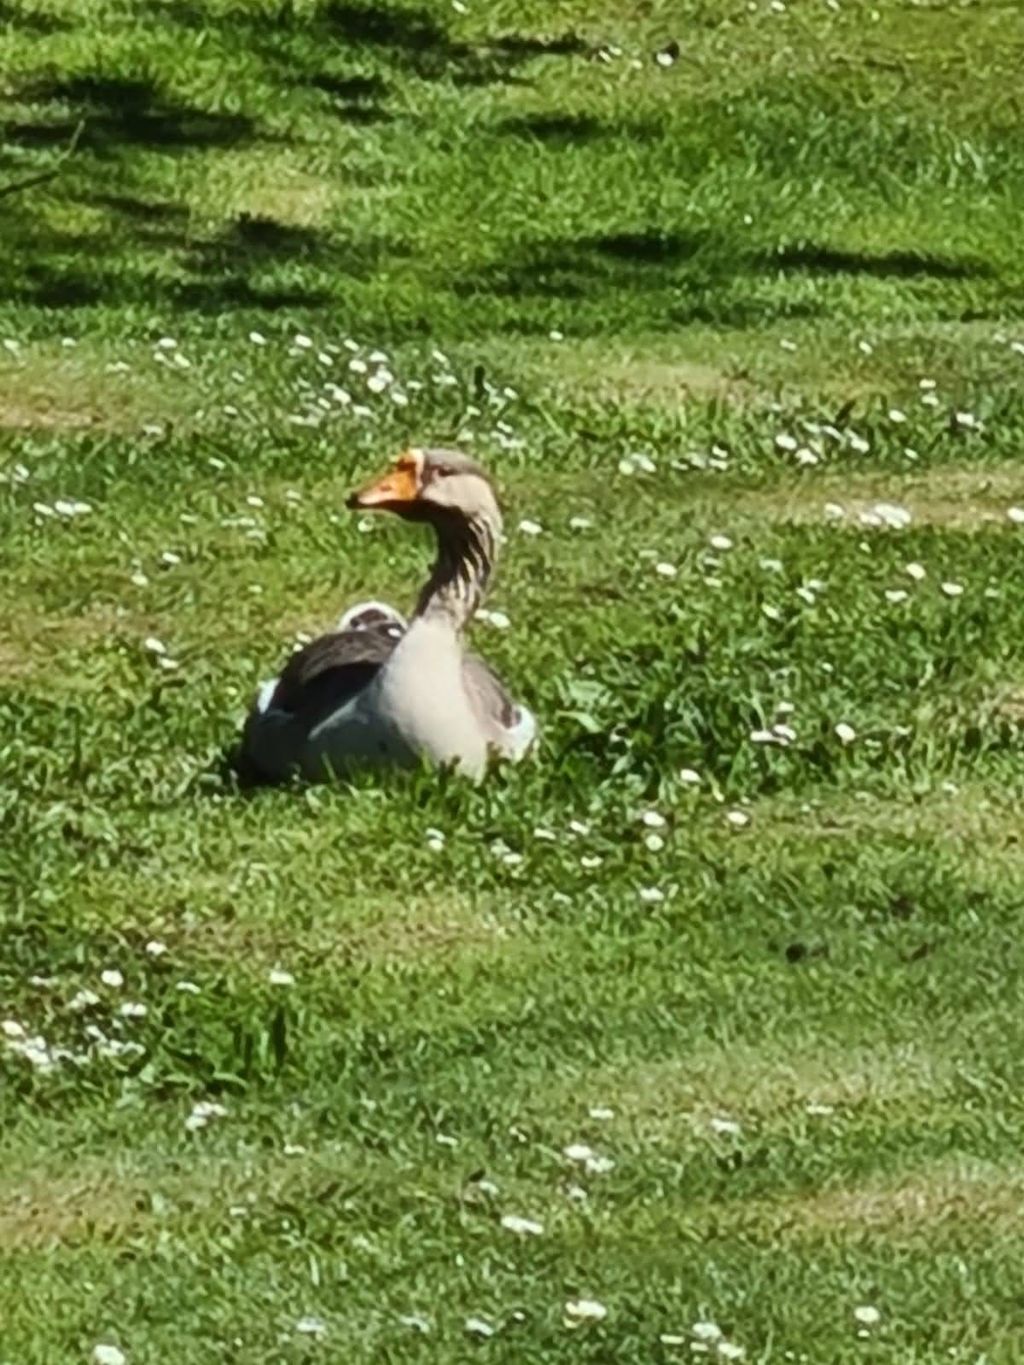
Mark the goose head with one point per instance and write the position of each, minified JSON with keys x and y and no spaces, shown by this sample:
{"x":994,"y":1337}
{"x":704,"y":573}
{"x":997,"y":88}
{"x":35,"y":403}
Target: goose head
{"x":435,"y":485}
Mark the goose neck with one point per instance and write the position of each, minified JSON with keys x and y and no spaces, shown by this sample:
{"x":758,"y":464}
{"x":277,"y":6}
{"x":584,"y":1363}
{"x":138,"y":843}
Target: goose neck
{"x":467,"y":551}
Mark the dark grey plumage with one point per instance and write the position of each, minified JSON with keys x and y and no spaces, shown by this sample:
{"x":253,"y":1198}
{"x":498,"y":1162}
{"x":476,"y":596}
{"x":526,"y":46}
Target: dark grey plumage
{"x":334,"y":668}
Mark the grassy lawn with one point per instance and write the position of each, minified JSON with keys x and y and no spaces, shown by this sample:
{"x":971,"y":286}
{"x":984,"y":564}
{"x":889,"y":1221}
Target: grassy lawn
{"x":727,"y":1013}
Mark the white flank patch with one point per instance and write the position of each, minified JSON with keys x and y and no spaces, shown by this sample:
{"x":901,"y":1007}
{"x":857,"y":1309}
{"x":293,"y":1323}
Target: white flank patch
{"x":522,"y":735}
{"x":265,"y":695}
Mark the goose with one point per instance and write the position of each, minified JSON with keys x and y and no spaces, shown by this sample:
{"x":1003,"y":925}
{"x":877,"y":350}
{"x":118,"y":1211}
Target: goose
{"x":380,"y":690}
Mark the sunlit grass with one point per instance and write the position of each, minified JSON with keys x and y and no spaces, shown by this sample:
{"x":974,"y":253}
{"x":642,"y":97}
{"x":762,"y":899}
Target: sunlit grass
{"x":704,"y":1021}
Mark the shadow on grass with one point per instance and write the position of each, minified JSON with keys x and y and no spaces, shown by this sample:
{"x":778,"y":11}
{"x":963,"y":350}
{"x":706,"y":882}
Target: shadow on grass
{"x":221,"y":295}
{"x":355,"y":88}
{"x":152,"y":252}
{"x":261,"y":242}
{"x":814,"y":259}
{"x":413,"y":33}
{"x":415,"y":40}
{"x":562,"y":130}
{"x":61,"y":284}
{"x":412,"y":39}
{"x":232,"y":771}
{"x":140,"y":210}
{"x":366,"y":115}
{"x":583,"y":267}
{"x":356,"y":99}
{"x":650,"y":247}
{"x":525,"y":46}
{"x":29,"y":22}
{"x":683,"y":278}
{"x":647,"y":260}
{"x":124,"y":113}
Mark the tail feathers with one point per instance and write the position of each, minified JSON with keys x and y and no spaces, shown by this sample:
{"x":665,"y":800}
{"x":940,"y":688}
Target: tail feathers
{"x":365,"y":614}
{"x":522,"y":735}
{"x":265,"y":696}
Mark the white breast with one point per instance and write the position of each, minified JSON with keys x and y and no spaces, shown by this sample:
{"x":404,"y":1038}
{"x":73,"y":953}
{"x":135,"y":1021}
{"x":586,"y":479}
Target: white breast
{"x":421,"y":695}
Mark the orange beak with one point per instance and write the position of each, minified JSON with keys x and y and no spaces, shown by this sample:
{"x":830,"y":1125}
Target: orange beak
{"x":398,"y":487}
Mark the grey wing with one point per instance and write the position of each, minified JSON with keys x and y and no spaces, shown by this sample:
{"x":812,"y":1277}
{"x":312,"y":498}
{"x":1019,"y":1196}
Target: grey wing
{"x":317,"y":681}
{"x":509,"y":726}
{"x":333,"y":669}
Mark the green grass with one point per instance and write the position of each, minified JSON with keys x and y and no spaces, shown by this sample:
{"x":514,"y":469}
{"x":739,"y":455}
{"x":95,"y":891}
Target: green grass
{"x":797,"y":1040}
